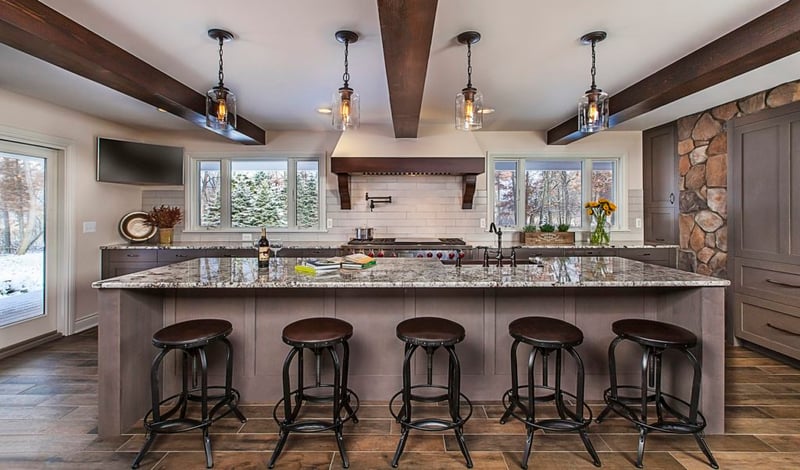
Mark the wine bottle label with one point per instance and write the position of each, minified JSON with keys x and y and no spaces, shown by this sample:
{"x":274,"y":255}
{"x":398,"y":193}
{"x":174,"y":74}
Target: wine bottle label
{"x":263,"y":253}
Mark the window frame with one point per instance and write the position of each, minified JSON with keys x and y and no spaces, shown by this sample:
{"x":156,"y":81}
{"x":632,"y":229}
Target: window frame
{"x":586,"y":160}
{"x":192,"y":203}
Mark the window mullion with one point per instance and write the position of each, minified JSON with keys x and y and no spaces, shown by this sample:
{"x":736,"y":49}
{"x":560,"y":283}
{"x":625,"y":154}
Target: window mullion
{"x":225,"y":193}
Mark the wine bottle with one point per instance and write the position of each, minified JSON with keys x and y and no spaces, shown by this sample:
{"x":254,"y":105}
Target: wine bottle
{"x":263,"y":250}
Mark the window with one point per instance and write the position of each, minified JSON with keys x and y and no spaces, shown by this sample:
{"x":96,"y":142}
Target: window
{"x":536,"y":191}
{"x":250,"y":192}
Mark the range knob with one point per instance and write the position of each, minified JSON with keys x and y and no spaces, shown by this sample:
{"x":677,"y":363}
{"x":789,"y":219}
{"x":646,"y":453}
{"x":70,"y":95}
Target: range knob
{"x":429,"y":255}
{"x":451,"y":255}
{"x":419,"y":255}
{"x":380,"y":254}
{"x":439,"y":254}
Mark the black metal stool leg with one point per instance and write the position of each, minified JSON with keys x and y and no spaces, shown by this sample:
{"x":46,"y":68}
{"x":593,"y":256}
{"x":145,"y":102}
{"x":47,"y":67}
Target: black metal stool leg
{"x":232,"y":400}
{"x":289,"y":414}
{"x":612,"y":373}
{"x":338,"y":399}
{"x":345,"y":375}
{"x":513,"y":396}
{"x":405,"y":412}
{"x":694,"y":405}
{"x":204,"y":404}
{"x":155,"y":396}
{"x":455,"y":398}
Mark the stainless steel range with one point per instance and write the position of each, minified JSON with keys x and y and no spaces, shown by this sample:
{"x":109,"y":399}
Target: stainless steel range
{"x":432,"y":248}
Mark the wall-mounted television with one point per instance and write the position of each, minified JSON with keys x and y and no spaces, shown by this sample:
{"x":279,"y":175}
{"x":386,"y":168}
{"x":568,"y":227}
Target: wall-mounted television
{"x":119,"y":161}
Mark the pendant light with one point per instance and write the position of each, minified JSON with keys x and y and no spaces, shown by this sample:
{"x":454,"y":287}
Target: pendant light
{"x":345,"y":108}
{"x":220,"y":101}
{"x":469,"y":103}
{"x":593,"y":105}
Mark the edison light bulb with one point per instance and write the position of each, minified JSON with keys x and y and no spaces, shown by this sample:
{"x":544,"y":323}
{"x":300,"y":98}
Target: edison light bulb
{"x":345,"y":111}
{"x":594,"y":114}
{"x":222,"y":110}
{"x":469,"y":112}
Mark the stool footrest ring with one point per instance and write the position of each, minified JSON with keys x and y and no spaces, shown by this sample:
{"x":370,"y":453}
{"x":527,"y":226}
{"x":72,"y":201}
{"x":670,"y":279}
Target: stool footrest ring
{"x":163,"y":426}
{"x":571,"y":422}
{"x":622,"y":407}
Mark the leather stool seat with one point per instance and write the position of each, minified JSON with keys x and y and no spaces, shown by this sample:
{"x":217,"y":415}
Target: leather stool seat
{"x":545,"y":332}
{"x":654,"y":333}
{"x":317,"y":332}
{"x":192,"y":333}
{"x":430,"y":331}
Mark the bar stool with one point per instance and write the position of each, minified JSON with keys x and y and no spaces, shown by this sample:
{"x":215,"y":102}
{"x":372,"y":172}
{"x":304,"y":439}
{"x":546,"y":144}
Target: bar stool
{"x":655,"y":337}
{"x":190,"y":337}
{"x":318,"y":335}
{"x":431,"y":333}
{"x":546,"y":335}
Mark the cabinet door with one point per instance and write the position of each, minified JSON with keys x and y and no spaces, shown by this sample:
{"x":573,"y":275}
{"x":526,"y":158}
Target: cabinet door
{"x":660,"y":184}
{"x":762,"y":189}
{"x":126,"y":261}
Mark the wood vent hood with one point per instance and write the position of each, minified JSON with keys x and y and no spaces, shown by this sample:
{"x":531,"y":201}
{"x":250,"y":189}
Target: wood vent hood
{"x":467,"y":168}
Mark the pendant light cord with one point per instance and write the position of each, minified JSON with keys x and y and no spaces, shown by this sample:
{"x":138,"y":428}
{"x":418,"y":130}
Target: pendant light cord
{"x":469,"y":65}
{"x":346,"y":74}
{"x":221,"y":73}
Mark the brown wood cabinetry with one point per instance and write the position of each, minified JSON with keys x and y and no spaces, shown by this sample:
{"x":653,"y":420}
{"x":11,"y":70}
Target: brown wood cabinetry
{"x":117,"y":262}
{"x":660,"y":184}
{"x":764,"y":228}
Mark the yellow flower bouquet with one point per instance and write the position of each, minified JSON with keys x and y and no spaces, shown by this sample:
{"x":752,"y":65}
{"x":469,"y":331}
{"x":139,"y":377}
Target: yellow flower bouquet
{"x":600,"y":210}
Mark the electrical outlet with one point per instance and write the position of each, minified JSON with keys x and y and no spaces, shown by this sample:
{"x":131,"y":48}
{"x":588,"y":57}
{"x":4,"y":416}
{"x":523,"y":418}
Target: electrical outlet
{"x":329,"y":223}
{"x":638,"y":222}
{"x":483,"y":222}
{"x":247,"y":237}
{"x":89,"y":227}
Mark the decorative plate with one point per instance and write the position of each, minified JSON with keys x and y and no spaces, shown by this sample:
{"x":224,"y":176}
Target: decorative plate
{"x":134,"y":228}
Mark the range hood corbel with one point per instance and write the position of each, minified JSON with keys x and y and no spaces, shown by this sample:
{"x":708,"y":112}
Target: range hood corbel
{"x":467,"y":168}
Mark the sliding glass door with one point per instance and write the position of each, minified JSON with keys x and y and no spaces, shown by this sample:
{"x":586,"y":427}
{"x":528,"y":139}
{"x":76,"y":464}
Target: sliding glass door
{"x":27,"y":228}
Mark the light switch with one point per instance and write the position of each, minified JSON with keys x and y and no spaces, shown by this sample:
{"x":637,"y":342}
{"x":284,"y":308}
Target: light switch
{"x":89,"y":227}
{"x":247,"y":237}
{"x":483,"y":222}
{"x":330,"y":223}
{"x":638,"y":222}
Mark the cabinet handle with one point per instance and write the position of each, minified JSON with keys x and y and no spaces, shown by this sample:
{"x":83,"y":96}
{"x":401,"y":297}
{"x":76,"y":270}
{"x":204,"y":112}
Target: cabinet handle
{"x":784,"y":284}
{"x":180,"y":256}
{"x":659,"y":239}
{"x":783,"y":330}
{"x":132,"y":256}
{"x":672,"y":198}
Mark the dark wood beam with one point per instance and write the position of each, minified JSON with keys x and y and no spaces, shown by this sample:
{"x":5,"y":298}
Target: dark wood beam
{"x":771,"y":36}
{"x":38,"y":30}
{"x":406,"y":31}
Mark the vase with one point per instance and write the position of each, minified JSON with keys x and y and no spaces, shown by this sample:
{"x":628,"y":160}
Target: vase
{"x":165,"y":236}
{"x":601,"y":232}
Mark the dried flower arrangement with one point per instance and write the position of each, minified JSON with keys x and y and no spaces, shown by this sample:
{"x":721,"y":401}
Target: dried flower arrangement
{"x":164,"y":216}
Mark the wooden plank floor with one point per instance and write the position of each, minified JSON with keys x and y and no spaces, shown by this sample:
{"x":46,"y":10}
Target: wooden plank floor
{"x":48,"y":419}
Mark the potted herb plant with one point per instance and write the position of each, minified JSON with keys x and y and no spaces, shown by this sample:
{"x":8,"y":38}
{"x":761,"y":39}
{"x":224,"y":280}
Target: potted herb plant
{"x":165,"y":218}
{"x":547,"y":235}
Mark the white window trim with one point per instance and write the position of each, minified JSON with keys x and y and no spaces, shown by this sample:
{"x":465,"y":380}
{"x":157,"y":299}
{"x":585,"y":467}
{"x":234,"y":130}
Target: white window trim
{"x":620,"y":189}
{"x":191,"y":178}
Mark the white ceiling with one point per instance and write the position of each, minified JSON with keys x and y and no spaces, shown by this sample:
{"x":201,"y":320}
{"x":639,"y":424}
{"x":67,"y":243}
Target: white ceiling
{"x":285,"y":63}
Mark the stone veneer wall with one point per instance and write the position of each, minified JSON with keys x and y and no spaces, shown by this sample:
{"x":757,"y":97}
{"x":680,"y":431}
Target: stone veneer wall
{"x":703,"y":167}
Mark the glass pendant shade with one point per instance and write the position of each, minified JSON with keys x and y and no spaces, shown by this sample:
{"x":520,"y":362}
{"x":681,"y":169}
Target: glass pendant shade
{"x":220,"y":108}
{"x":346,"y":113}
{"x":469,"y":109}
{"x":593,"y":111}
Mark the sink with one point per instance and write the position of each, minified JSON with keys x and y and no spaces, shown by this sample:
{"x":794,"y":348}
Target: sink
{"x":479,"y":262}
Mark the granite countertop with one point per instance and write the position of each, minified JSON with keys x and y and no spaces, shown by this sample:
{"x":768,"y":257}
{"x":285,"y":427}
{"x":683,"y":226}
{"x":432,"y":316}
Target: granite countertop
{"x":411,"y":273}
{"x":237,"y":245}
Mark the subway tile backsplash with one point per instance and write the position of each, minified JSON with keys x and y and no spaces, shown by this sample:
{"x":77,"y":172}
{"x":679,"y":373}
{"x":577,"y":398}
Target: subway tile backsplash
{"x":422,"y":206}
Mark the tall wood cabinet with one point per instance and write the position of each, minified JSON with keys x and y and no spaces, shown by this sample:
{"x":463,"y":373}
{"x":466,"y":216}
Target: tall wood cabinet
{"x":660,"y":184}
{"x":764,"y":228}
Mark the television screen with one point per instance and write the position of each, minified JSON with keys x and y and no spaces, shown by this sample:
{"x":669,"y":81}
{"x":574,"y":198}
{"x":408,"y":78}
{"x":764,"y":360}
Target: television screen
{"x":119,"y":161}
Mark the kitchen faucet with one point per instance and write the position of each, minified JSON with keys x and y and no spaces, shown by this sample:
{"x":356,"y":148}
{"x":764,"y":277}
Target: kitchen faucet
{"x":493,"y":229}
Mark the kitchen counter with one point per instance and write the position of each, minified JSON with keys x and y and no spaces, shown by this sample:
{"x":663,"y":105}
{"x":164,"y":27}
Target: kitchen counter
{"x":590,"y":293}
{"x":243,"y":273}
{"x":212,"y":245}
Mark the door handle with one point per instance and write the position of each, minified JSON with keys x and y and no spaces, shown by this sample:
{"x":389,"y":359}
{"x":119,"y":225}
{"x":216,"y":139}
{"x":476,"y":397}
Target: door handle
{"x":783,"y":330}
{"x":672,"y":198}
{"x":784,"y":284}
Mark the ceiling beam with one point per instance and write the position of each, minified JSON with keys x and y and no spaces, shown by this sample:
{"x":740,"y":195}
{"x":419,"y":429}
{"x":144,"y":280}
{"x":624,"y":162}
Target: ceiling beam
{"x":38,"y":30}
{"x":406,"y":31}
{"x":771,"y":36}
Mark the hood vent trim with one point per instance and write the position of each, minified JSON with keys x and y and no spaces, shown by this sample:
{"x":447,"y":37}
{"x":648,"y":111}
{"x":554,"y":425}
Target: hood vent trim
{"x":468,"y":168}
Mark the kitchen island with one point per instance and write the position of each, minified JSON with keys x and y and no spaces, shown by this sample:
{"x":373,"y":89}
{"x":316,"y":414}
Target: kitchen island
{"x":589,"y":292}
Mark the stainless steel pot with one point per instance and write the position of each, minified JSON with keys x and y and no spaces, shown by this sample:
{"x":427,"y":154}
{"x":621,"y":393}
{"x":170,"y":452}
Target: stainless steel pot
{"x":364,"y":233}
